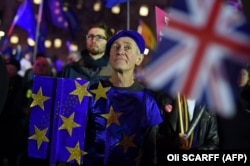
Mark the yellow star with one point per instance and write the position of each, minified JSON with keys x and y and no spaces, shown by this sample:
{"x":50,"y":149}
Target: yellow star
{"x":100,"y":91}
{"x":81,"y":91}
{"x":112,"y":117}
{"x":75,"y":153}
{"x":39,"y":99}
{"x":39,"y":136}
{"x":127,"y":142}
{"x":68,"y":123}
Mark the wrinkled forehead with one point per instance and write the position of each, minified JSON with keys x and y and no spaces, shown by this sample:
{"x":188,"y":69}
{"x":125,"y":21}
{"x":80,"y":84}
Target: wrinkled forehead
{"x":125,"y":40}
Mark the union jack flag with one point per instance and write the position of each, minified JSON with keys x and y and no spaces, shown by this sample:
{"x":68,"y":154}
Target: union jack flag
{"x":200,"y":37}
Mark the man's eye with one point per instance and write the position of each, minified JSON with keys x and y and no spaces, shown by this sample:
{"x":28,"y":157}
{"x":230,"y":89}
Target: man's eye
{"x":127,"y":47}
{"x":115,"y":47}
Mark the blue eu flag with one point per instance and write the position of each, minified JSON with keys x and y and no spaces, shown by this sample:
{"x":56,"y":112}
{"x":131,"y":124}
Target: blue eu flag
{"x":58,"y":119}
{"x":111,"y":3}
{"x":25,"y":18}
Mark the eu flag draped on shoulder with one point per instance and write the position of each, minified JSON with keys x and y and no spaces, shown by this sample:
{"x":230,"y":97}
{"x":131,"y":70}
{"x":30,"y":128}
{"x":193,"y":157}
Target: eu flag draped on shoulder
{"x":200,"y":37}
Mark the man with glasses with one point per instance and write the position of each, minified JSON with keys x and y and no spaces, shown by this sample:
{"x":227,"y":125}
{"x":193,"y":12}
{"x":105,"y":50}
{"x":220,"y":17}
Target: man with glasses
{"x":93,"y":64}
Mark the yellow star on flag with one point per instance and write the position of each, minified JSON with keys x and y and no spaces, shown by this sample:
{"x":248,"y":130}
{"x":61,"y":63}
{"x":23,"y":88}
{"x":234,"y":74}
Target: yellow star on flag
{"x":112,"y":117}
{"x":127,"y":142}
{"x":76,"y":153}
{"x":81,"y":91}
{"x":100,"y":91}
{"x":39,"y":136}
{"x":68,"y":123}
{"x":39,"y":99}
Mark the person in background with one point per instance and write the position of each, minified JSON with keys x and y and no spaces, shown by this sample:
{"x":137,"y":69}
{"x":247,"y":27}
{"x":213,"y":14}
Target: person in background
{"x":25,"y":63}
{"x":235,"y":131}
{"x":41,"y":67}
{"x":244,"y":87}
{"x":4,"y":83}
{"x":10,"y":115}
{"x":74,"y":56}
{"x":122,"y":123}
{"x":204,"y":136}
{"x":93,"y":64}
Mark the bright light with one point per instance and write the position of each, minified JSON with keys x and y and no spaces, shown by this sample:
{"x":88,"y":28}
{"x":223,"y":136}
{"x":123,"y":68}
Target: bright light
{"x":58,"y":43}
{"x":73,"y":47}
{"x":146,"y":51}
{"x":47,"y":43}
{"x":31,"y":42}
{"x":14,"y":39}
{"x":37,"y":2}
{"x":97,"y":6}
{"x":143,"y":10}
{"x":115,"y":9}
{"x":2,"y":33}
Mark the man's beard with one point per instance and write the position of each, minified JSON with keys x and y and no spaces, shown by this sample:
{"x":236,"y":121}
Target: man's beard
{"x":95,"y":52}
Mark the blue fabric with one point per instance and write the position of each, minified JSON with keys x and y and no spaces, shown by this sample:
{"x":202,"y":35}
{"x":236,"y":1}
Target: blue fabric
{"x":111,"y":3}
{"x":127,"y":33}
{"x":61,"y":103}
{"x":25,"y":18}
{"x":60,"y":15}
{"x":139,"y":112}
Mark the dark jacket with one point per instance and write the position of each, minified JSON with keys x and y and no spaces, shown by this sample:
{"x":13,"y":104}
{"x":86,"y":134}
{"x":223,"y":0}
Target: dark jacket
{"x":205,"y":134}
{"x":87,"y":68}
{"x":4,"y":83}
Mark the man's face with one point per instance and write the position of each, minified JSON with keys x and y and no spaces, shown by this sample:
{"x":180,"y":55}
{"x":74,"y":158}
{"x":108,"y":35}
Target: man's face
{"x":124,"y":54}
{"x":243,"y":78}
{"x":96,"y":41}
{"x":41,"y":67}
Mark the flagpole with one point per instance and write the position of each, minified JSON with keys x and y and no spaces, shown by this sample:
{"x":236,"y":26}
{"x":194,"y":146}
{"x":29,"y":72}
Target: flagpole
{"x":128,"y":14}
{"x":39,"y":20}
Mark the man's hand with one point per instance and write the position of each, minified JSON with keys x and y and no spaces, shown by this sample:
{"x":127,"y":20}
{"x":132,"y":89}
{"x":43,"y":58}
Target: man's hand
{"x":183,"y":142}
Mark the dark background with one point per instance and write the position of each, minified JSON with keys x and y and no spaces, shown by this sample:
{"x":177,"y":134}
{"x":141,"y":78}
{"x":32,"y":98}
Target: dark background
{"x":86,"y":17}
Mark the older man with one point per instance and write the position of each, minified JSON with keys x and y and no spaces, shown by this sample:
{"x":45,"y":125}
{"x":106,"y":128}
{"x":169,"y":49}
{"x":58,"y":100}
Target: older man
{"x":123,"y":115}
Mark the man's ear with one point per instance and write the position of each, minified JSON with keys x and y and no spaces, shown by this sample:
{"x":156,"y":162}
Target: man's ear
{"x":139,"y":59}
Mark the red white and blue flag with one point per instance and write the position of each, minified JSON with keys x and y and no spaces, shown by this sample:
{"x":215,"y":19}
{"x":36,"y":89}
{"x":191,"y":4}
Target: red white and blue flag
{"x":200,"y":37}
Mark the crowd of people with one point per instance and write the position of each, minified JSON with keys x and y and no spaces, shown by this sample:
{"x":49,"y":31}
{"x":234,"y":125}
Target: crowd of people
{"x":133,"y":125}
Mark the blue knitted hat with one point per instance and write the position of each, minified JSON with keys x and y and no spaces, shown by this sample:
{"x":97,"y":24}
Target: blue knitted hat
{"x":127,"y":33}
